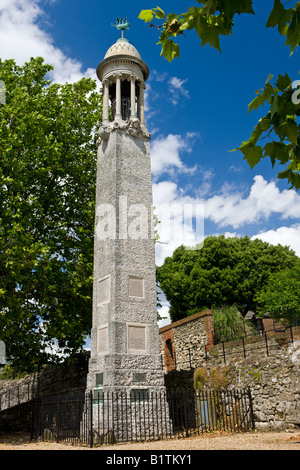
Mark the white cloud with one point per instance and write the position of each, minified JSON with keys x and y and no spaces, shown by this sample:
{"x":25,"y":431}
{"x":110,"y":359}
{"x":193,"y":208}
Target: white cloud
{"x":229,"y":209}
{"x":163,"y":310}
{"x":177,"y":90}
{"x":164,"y":313}
{"x":165,"y":154}
{"x":22,"y":37}
{"x":286,"y":236}
{"x":263,"y":201}
{"x":181,"y":219}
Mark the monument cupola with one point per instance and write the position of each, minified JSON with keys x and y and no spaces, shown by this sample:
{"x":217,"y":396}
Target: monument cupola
{"x":123,"y":74}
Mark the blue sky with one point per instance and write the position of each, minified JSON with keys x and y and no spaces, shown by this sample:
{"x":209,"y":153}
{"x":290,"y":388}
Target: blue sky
{"x":196,"y":106}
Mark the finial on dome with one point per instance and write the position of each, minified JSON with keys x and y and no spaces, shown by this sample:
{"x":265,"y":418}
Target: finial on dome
{"x":122,"y":24}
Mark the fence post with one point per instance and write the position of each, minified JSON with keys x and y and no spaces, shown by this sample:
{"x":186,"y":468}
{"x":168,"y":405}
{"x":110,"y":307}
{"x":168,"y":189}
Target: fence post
{"x":57,"y":420}
{"x":91,"y":419}
{"x":292,"y":338}
{"x":244,"y":347}
{"x":251,"y":408}
{"x":33,"y":418}
{"x":185,"y":413}
{"x":224,"y":352}
{"x":266,"y":339}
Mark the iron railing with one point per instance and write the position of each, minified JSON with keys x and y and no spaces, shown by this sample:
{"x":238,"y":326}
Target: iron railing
{"x":125,"y":108}
{"x":112,"y":417}
{"x":266,"y":342}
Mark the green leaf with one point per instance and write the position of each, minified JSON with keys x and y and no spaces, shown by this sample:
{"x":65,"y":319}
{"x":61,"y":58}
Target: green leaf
{"x":258,"y":101}
{"x":283,"y":81}
{"x":274,"y":105}
{"x":230,"y":8}
{"x":292,"y":132}
{"x":253,"y":154}
{"x":159,"y":13}
{"x":293,"y":32}
{"x":146,"y":15}
{"x":189,"y":18}
{"x":170,"y":50}
{"x":210,"y":7}
{"x":279,"y":17}
{"x":277,"y":151}
{"x":266,"y":95}
{"x":286,"y":174}
{"x":275,"y":15}
{"x":210,"y":36}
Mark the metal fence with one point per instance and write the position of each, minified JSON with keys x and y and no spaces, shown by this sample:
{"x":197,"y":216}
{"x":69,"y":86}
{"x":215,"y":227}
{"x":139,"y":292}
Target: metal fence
{"x":264,"y":341}
{"x":112,"y":417}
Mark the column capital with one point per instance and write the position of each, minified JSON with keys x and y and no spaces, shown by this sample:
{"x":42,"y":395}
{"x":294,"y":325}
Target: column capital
{"x":132,"y":78}
{"x":118,"y":115}
{"x":117,"y":75}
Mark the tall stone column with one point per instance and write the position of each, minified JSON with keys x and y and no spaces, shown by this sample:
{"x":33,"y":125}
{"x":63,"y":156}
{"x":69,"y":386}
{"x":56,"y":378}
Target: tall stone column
{"x":125,"y":354}
{"x":105,"y":102}
{"x":132,"y":96}
{"x":118,"y":97}
{"x":142,"y":104}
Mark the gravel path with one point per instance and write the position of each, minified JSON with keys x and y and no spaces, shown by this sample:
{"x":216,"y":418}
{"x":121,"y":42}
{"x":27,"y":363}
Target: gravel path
{"x":213,"y":441}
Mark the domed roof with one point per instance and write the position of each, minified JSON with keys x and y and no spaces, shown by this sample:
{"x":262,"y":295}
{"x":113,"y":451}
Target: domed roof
{"x":122,"y":46}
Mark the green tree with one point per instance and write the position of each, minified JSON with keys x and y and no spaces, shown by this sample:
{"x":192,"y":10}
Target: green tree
{"x":47,"y":186}
{"x":277,"y":134}
{"x":225,"y":271}
{"x":281,"y":296}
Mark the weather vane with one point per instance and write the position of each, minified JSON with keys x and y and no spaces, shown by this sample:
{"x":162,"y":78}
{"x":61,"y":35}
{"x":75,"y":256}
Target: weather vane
{"x":122,"y":25}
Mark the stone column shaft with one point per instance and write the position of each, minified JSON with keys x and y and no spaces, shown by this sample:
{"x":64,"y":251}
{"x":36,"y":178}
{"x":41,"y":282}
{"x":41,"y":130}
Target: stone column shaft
{"x":118,"y":98}
{"x":142,"y":104}
{"x":105,"y":102}
{"x":132,"y":97}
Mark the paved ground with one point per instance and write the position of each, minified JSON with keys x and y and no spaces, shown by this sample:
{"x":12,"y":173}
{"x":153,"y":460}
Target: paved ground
{"x":213,"y":441}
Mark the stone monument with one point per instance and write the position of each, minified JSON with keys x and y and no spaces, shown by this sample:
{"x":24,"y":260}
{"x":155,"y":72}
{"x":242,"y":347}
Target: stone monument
{"x":125,"y":356}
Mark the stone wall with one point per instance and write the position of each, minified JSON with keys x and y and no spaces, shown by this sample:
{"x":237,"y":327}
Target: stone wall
{"x":269,"y":364}
{"x":62,"y":379}
{"x":184,"y":343}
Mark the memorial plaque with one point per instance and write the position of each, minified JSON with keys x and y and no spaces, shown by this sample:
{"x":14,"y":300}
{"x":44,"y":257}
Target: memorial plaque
{"x":102,"y":340}
{"x":136,"y":287}
{"x":104,"y":290}
{"x":139,"y":377}
{"x":137,"y":338}
{"x":99,"y":379}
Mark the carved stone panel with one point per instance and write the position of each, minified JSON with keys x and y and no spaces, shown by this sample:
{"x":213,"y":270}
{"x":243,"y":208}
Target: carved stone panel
{"x":103,"y":293}
{"x":102,"y":339}
{"x":136,"y":338}
{"x":136,"y":287}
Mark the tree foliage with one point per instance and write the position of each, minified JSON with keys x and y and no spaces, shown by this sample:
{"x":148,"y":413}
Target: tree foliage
{"x":281,"y":295}
{"x":47,"y":187}
{"x":280,"y":126}
{"x":225,"y":271}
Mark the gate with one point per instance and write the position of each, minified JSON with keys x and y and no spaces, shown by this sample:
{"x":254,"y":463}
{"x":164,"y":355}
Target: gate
{"x":121,"y":417}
